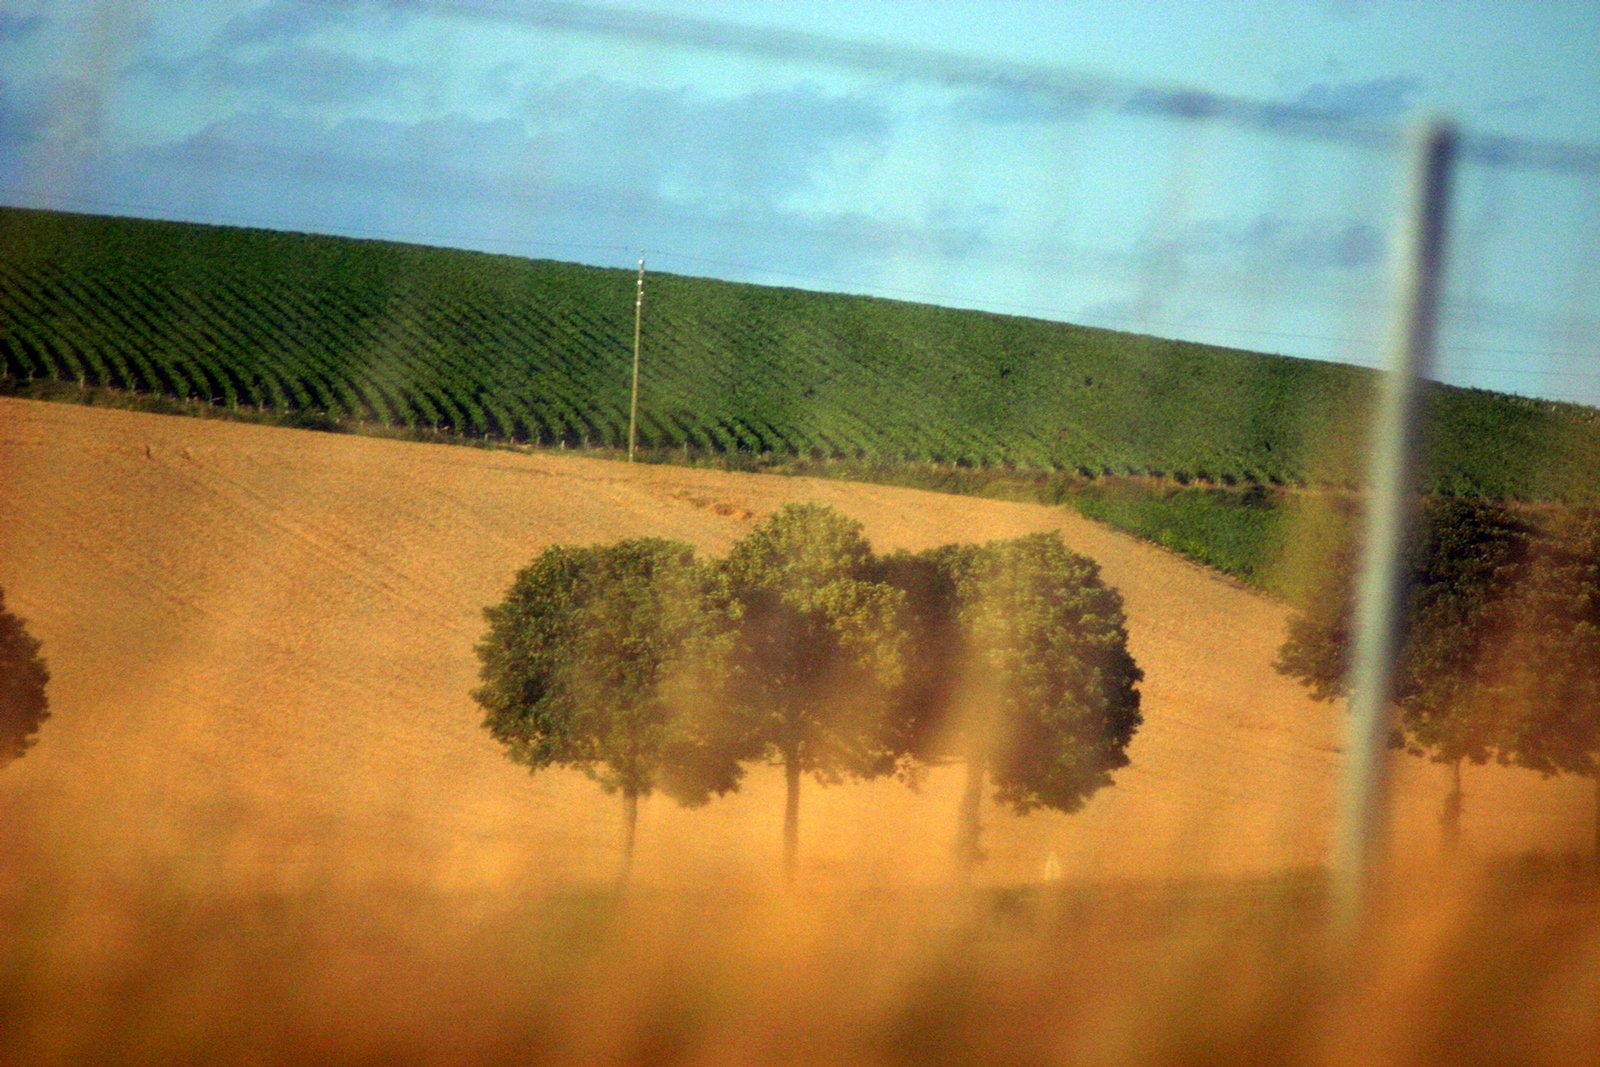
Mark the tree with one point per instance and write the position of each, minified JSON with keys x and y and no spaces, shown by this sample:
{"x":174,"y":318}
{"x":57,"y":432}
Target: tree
{"x":1542,"y":673}
{"x":930,"y":692}
{"x":1467,"y":554}
{"x":815,"y":649}
{"x":1026,"y":674}
{"x":589,"y":663}
{"x":23,"y":677}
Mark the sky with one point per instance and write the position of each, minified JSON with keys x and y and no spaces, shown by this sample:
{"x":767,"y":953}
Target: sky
{"x":1230,"y":172}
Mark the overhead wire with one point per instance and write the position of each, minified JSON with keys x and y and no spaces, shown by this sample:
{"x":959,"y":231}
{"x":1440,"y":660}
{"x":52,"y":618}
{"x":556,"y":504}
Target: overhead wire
{"x":1067,"y":84}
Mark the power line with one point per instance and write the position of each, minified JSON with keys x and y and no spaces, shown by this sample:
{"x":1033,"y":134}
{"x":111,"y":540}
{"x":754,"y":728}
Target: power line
{"x":1525,"y":153}
{"x":1074,"y":89}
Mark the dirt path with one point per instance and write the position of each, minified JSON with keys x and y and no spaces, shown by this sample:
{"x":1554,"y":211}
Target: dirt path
{"x":261,"y":643}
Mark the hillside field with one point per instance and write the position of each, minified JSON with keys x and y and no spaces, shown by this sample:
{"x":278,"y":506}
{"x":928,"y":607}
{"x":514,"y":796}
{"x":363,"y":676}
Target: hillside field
{"x":263,"y":824}
{"x":401,"y":339}
{"x":270,"y":633}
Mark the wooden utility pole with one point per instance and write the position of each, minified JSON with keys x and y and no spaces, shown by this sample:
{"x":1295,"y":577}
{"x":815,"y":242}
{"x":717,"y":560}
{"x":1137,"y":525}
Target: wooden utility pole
{"x":638,"y":323}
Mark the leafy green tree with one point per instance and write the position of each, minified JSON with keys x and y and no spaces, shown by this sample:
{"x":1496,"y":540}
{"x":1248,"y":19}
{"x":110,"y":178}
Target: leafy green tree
{"x":1047,"y":645}
{"x":816,"y":647}
{"x":931,"y":690}
{"x":1466,"y":556}
{"x":23,"y":676}
{"x":590,"y":663}
{"x":1020,"y":668}
{"x":1542,"y":673}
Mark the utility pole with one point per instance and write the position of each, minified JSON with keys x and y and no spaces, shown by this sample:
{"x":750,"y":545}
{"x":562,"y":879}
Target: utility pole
{"x":1381,"y":602}
{"x":638,"y":323}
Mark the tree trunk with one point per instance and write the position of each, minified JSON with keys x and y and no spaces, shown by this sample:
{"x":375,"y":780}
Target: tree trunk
{"x":630,"y":822}
{"x":1450,"y":816}
{"x":791,"y":818}
{"x":1597,"y":817}
{"x":969,"y":828}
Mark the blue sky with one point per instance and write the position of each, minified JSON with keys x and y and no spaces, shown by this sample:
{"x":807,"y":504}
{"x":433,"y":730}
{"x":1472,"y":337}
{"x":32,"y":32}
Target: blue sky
{"x":1021,"y":156}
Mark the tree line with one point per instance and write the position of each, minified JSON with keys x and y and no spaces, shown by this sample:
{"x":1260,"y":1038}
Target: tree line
{"x":651,"y":670}
{"x":1501,"y":658}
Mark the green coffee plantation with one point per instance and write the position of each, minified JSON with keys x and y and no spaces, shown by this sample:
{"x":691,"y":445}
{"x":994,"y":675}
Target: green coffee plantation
{"x":383,"y":337}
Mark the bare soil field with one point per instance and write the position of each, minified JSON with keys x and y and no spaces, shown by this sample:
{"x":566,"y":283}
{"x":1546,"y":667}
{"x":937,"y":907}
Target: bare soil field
{"x":261,"y":643}
{"x":263,"y":824}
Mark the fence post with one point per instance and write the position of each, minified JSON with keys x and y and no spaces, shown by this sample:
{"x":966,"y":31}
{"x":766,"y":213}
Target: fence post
{"x":1397,"y":443}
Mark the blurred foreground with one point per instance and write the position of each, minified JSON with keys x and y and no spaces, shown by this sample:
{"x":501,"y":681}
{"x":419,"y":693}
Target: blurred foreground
{"x":362,"y":964}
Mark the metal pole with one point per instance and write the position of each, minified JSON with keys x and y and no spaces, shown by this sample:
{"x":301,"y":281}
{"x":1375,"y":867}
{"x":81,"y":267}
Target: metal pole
{"x":638,"y":323}
{"x":1381,"y":604}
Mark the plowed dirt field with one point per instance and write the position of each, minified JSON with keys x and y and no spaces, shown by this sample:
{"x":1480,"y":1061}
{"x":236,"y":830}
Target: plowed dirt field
{"x":261,"y":643}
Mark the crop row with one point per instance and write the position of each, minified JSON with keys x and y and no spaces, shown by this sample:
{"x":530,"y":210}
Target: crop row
{"x":483,"y":345}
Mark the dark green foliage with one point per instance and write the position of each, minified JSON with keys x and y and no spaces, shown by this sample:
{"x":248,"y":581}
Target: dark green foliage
{"x":1238,"y":532}
{"x":1049,"y":642}
{"x":818,"y":641}
{"x":1459,"y":566}
{"x":23,"y":677}
{"x":1020,"y":666}
{"x":1501,"y":656}
{"x":1470,"y":558}
{"x":380,"y":336}
{"x":816,"y":651}
{"x":646,"y":671}
{"x":1539,"y":678}
{"x":589,"y":663}
{"x":931,"y":691}
{"x":1547,"y":661}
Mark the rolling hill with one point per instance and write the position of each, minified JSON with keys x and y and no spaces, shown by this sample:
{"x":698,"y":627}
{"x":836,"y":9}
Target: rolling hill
{"x":261,"y":643}
{"x":341,"y":333}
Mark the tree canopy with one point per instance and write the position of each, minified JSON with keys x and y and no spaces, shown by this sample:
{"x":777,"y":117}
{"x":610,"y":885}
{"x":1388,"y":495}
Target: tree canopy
{"x":1023,"y":671}
{"x":1540,"y":678}
{"x":23,"y":676}
{"x":1548,"y":658}
{"x":1459,"y":563}
{"x":1501,"y":655}
{"x":930,"y":694}
{"x":1053,"y":638}
{"x":1465,"y":554}
{"x":588,"y":664}
{"x":647,"y":670}
{"x":817,"y":647}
